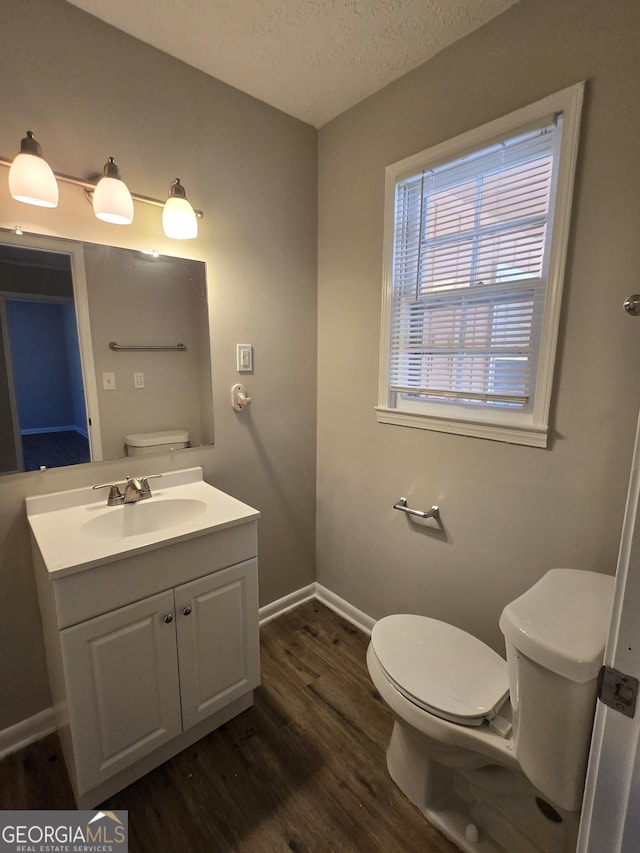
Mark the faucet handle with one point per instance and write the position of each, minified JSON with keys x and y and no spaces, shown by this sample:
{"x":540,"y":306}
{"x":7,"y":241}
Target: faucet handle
{"x":145,"y":490}
{"x":115,"y":495}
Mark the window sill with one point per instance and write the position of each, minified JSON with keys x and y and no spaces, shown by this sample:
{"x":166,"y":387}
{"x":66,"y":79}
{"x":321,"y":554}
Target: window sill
{"x":529,"y":435}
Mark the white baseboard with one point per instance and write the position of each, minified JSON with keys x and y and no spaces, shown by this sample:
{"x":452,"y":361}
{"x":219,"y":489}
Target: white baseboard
{"x":283,"y":605}
{"x":26,"y":732}
{"x":45,"y":429}
{"x":361,"y":620}
{"x":325,"y":596}
{"x":43,"y":724}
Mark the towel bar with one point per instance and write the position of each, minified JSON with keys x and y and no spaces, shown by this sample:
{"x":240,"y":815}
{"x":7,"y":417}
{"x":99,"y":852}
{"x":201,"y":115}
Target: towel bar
{"x":434,"y":512}
{"x":120,"y":348}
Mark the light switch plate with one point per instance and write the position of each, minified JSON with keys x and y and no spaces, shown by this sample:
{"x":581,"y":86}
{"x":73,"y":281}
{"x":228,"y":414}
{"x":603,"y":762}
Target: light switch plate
{"x":138,"y":379}
{"x":109,"y":381}
{"x":245,"y":358}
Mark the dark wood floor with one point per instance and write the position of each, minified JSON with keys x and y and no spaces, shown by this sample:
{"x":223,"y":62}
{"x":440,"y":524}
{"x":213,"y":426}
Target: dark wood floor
{"x":303,"y":769}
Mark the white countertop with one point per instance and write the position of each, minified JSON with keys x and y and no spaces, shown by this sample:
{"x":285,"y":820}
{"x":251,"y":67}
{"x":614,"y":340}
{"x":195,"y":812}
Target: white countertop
{"x":76,"y":530}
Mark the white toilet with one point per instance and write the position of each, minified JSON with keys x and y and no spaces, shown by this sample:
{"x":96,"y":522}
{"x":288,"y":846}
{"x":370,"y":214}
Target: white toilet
{"x":494,"y":752}
{"x":146,"y":443}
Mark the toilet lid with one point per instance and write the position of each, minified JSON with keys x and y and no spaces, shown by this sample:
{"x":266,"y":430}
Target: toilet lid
{"x":441,"y":668}
{"x":147,"y":439}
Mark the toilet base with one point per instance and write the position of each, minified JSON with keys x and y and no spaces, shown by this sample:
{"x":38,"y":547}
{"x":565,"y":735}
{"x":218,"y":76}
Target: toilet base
{"x":481,"y":809}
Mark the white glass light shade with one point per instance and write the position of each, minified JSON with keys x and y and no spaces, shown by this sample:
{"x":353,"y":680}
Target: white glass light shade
{"x":112,"y":201}
{"x":32,"y":181}
{"x":179,"y":220}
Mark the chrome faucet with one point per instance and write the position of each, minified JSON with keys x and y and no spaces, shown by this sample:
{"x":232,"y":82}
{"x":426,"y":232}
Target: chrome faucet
{"x":136,"y":489}
{"x":132,"y":490}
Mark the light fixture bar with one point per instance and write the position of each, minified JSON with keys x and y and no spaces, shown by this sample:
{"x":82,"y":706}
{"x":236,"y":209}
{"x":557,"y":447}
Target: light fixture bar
{"x":89,"y":187}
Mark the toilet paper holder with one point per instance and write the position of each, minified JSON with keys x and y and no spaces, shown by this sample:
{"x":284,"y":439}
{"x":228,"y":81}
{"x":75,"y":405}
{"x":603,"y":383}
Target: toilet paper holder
{"x":434,"y":512}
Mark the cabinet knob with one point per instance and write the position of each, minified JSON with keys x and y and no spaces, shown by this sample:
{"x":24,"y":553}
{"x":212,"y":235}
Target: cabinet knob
{"x":187,"y":610}
{"x":168,"y":618}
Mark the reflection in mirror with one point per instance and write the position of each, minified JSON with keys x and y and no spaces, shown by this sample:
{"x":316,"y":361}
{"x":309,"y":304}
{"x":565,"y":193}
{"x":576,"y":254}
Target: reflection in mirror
{"x":41,"y":388}
{"x":67,"y":396}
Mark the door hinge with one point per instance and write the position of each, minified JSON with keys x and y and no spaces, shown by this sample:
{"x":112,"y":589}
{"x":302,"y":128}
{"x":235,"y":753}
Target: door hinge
{"x":618,"y":690}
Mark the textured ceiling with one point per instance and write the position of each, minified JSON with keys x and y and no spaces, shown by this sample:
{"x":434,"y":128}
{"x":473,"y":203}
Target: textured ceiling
{"x":312,"y":59}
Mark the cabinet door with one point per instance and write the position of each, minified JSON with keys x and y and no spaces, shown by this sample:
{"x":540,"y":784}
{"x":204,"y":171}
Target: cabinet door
{"x":122,"y":686}
{"x":218,"y":641}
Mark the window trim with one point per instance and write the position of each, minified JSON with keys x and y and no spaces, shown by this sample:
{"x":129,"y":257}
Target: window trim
{"x":509,"y":426}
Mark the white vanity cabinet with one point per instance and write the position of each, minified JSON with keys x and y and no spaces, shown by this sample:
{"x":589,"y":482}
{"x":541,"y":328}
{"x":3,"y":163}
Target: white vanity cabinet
{"x":140,"y":675}
{"x":149,"y":651}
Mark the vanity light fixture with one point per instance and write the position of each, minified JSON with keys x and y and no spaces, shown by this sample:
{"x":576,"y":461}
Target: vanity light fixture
{"x":112,"y":200}
{"x":32,"y":181}
{"x":178,"y":217}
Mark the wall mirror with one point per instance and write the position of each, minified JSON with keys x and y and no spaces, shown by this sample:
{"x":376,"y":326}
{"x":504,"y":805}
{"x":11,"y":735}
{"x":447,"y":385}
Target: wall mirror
{"x":98,"y":343}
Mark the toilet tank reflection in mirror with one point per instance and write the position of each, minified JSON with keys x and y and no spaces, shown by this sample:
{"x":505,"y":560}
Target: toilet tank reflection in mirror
{"x":68,"y":398}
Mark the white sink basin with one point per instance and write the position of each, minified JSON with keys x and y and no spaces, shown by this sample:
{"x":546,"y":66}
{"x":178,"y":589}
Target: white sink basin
{"x":76,"y":530}
{"x":147,"y":516}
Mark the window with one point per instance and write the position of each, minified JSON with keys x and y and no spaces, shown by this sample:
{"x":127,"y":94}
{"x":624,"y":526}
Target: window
{"x":475,"y":242}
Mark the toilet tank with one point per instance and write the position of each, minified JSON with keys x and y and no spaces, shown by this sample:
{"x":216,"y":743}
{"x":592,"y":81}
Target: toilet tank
{"x":144,"y":443}
{"x":555,"y":635}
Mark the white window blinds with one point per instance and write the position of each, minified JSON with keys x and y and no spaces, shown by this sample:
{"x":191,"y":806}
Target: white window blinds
{"x":469,"y":272}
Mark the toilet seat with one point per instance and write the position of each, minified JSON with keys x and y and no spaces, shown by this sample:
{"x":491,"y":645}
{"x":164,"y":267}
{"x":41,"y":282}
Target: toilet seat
{"x":440,"y":668}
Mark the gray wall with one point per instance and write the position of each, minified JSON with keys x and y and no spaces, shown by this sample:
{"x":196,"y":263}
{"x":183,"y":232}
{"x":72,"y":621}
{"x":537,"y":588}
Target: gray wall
{"x":89,"y":92}
{"x":509,"y":513}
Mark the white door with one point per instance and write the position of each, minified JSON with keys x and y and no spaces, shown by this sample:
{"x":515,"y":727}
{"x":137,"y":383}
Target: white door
{"x":218,"y":641}
{"x":122,"y":684}
{"x":611,"y":810}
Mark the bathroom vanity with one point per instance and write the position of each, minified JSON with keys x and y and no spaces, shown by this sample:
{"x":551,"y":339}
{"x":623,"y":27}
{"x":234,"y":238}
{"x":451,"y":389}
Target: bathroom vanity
{"x":150,"y":618}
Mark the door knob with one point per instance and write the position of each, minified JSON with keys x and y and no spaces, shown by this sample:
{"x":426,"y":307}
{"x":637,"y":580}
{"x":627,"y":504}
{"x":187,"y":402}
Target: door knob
{"x":632,"y":305}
